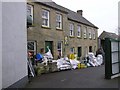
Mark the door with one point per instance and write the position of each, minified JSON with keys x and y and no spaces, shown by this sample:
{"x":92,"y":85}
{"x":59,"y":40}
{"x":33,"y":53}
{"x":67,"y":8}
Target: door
{"x":50,"y":45}
{"x":79,"y":51}
{"x":90,"y":48}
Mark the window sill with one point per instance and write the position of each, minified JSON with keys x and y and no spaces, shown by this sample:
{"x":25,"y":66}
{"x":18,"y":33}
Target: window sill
{"x":90,"y":38}
{"x":72,"y":36}
{"x":85,"y":38}
{"x":33,"y":25}
{"x":79,"y":37}
{"x":46,"y":27}
{"x":59,"y":29}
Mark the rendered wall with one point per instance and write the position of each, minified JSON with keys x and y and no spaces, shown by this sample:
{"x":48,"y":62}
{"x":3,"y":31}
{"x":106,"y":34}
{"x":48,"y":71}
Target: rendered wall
{"x":0,"y":46}
{"x":14,"y":42}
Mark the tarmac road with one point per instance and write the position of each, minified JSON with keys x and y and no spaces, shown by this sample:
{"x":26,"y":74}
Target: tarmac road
{"x":92,"y":77}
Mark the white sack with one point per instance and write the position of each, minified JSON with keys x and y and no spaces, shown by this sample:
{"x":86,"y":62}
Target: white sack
{"x":63,"y":64}
{"x":49,"y":54}
{"x":99,"y":59}
{"x":74,"y":63}
{"x":93,"y":59}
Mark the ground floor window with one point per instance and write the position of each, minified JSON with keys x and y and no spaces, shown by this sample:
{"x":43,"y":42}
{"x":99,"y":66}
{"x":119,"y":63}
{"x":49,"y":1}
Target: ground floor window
{"x":59,"y":49}
{"x":85,"y":51}
{"x":31,"y":46}
{"x":95,"y":50}
{"x":72,"y":50}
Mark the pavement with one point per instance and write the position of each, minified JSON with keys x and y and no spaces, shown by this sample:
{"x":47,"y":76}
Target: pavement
{"x":92,"y":77}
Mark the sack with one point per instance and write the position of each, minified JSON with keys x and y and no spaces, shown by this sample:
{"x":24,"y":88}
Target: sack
{"x":39,"y":56}
{"x":49,"y":54}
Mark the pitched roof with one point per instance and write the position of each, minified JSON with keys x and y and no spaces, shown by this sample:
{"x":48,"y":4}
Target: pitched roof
{"x":105,"y":34}
{"x":54,"y":5}
{"x":79,"y":18}
{"x":71,"y":14}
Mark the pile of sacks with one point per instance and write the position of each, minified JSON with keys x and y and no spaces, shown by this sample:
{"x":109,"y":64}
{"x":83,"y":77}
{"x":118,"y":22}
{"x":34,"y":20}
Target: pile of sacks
{"x":94,"y":61}
{"x":65,"y":63}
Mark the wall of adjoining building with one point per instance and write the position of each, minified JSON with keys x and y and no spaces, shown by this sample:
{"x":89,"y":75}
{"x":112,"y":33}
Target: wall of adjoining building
{"x":0,"y":46}
{"x":14,"y":43}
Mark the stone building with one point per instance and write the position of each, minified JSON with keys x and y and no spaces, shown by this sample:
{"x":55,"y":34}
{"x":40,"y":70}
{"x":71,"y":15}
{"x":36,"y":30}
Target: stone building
{"x":63,"y":30}
{"x":103,"y":35}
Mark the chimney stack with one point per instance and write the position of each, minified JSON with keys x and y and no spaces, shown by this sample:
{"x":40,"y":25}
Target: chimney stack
{"x":80,"y":12}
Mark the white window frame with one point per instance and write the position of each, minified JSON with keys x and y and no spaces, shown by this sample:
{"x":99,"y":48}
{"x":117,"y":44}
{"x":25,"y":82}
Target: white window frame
{"x":90,"y":33}
{"x":85,"y":32}
{"x":31,"y":11}
{"x":78,"y":31}
{"x":34,"y":42}
{"x":95,"y":50}
{"x":94,"y":34}
{"x":60,"y":42}
{"x":71,"y":28}
{"x":72,"y":49}
{"x":46,"y":18}
{"x":58,"y":21}
{"x":85,"y":51}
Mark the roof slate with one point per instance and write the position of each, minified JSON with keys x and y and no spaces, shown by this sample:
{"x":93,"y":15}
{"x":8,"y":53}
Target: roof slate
{"x":78,"y":18}
{"x":105,"y":34}
{"x":71,"y":14}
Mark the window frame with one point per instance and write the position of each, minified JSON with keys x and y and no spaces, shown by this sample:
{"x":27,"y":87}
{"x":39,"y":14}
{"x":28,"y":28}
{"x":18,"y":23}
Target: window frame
{"x":71,"y":29}
{"x":58,"y":21}
{"x":61,"y":46}
{"x":46,"y":18}
{"x":85,"y":32}
{"x":32,"y":11}
{"x":90,"y":33}
{"x":94,"y":34}
{"x":79,"y":31}
{"x":85,"y":51}
{"x":35,"y":47}
{"x":72,"y":49}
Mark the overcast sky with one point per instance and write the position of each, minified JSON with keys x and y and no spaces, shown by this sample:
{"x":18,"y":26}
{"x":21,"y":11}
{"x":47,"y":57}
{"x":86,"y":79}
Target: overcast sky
{"x":102,"y":13}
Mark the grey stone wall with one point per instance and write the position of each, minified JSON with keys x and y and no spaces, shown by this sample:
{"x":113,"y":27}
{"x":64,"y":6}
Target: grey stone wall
{"x":41,"y":34}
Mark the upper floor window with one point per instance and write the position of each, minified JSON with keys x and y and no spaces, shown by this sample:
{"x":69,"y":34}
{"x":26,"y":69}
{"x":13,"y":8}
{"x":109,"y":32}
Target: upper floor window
{"x":94,"y":34}
{"x":30,"y":10}
{"x":85,"y":32}
{"x":71,"y":27}
{"x":45,"y":18}
{"x":59,"y":48}
{"x":79,"y":31}
{"x":58,"y":21}
{"x":90,"y":36}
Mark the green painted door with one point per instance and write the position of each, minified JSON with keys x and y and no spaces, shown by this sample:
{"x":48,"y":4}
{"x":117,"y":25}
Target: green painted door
{"x":50,"y":45}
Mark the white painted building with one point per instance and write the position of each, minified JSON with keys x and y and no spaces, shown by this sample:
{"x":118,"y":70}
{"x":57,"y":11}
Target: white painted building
{"x":0,"y":46}
{"x":14,"y":45}
{"x":119,"y":19}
